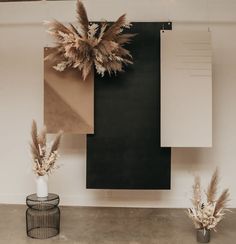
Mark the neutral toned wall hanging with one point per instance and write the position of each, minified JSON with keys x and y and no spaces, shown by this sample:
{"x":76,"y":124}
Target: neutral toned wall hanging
{"x":186,"y":88}
{"x":68,"y":100}
{"x":90,"y":44}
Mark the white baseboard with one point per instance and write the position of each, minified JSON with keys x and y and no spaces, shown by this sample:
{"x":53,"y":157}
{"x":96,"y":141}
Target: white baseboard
{"x":109,"y":201}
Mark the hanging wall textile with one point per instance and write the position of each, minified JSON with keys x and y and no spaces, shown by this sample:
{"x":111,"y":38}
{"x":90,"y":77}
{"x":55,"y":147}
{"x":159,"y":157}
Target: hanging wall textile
{"x":186,"y":89}
{"x":68,"y":100}
{"x":125,"y":152}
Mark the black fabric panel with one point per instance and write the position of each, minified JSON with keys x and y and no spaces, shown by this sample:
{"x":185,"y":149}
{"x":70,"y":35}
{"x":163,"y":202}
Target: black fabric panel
{"x":124,"y":152}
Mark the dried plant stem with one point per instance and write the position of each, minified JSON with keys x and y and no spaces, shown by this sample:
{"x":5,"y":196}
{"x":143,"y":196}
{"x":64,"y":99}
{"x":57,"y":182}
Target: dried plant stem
{"x":212,"y":188}
{"x":222,"y":201}
{"x":56,"y":142}
{"x":196,"y":200}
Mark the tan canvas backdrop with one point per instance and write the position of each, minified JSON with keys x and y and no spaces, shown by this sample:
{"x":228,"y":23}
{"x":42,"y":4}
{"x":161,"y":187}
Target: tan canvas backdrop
{"x":68,"y":100}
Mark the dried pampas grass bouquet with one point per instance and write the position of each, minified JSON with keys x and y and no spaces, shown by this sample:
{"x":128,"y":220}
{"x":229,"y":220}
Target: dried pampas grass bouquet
{"x":90,"y":44}
{"x":207,"y":214}
{"x":44,"y":155}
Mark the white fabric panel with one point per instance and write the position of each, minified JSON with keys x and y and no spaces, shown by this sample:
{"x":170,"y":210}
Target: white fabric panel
{"x":186,"y":89}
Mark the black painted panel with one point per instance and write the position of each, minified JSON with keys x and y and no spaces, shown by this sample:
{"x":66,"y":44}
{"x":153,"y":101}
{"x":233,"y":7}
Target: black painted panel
{"x":124,"y":152}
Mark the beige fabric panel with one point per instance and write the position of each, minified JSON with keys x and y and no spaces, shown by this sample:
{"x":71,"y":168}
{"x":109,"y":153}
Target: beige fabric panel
{"x":68,"y":100}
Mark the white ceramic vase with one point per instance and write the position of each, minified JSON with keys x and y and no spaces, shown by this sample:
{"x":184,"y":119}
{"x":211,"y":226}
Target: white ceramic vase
{"x":42,"y":186}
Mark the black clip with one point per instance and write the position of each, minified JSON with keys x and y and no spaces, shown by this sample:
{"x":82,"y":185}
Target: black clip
{"x":163,"y":28}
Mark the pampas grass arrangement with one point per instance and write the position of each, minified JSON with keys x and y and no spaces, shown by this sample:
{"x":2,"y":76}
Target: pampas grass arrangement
{"x":90,"y":44}
{"x":44,"y":156}
{"x":206,"y":215}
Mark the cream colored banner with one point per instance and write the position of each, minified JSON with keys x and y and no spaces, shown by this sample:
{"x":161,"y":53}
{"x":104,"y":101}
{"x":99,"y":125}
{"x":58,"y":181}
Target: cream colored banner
{"x":186,"y":89}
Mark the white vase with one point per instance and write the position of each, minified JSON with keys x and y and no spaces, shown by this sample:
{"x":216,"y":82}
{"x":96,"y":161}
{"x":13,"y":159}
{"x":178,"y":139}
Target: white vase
{"x":42,"y":186}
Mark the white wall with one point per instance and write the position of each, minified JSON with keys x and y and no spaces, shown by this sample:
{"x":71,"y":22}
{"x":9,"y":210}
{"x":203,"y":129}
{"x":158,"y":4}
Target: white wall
{"x":22,"y":38}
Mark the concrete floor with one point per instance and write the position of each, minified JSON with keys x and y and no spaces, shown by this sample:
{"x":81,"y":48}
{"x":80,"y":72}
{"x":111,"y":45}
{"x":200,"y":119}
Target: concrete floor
{"x":83,"y":225}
